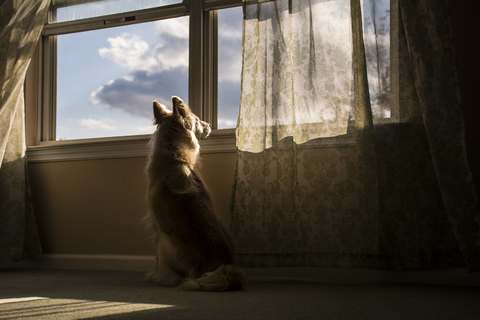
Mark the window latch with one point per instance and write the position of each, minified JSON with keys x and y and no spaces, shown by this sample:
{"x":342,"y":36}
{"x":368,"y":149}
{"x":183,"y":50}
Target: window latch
{"x":124,"y":19}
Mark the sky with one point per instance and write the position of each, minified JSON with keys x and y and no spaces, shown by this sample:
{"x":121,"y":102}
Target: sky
{"x":107,"y":79}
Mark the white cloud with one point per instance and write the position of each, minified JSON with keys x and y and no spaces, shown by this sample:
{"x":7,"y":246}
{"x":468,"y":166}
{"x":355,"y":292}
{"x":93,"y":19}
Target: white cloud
{"x":172,"y":49}
{"x":147,"y":129}
{"x":132,"y":52}
{"x":97,"y":124}
{"x":227,"y":123}
{"x":179,"y":28}
{"x":230,"y":44}
{"x":230,"y":67}
{"x":231,"y":32}
{"x":158,"y":69}
{"x":129,"y":51}
{"x":170,"y":59}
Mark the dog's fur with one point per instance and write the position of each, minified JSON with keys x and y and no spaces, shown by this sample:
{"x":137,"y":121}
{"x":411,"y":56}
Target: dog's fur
{"x":194,"y":250}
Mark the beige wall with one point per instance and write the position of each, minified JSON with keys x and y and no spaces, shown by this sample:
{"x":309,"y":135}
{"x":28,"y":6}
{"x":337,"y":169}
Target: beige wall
{"x":95,"y":206}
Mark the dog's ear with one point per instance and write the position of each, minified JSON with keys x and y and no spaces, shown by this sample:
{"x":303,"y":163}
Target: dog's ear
{"x":160,"y":112}
{"x":179,"y":108}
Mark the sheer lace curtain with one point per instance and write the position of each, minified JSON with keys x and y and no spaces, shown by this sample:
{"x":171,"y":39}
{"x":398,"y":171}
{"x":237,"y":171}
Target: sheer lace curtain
{"x":297,"y":72}
{"x":350,"y":135}
{"x":21,"y":23}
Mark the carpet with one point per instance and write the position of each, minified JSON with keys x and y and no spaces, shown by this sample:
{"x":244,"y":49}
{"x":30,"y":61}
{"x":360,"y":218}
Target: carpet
{"x":71,"y":294}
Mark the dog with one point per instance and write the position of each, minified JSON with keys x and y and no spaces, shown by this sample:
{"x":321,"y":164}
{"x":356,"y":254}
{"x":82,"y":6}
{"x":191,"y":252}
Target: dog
{"x":194,"y":250}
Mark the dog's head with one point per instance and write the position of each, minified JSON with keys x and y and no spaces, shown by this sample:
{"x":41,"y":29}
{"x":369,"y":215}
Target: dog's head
{"x":181,"y":118}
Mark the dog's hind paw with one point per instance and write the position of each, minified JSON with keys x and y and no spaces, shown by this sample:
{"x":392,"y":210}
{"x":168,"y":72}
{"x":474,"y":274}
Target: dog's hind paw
{"x":160,"y":277}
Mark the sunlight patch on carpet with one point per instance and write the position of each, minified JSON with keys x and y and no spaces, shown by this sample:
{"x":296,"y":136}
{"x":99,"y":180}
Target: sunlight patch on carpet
{"x":46,"y":308}
{"x":20,"y":299}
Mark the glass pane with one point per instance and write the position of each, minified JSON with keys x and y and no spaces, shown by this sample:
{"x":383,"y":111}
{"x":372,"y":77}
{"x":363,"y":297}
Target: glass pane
{"x":376,"y":34}
{"x":95,"y":8}
{"x":230,"y":24}
{"x":107,"y":79}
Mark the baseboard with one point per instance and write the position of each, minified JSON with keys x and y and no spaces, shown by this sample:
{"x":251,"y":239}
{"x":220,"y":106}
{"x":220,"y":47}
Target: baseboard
{"x":85,"y":262}
{"x":456,"y":276}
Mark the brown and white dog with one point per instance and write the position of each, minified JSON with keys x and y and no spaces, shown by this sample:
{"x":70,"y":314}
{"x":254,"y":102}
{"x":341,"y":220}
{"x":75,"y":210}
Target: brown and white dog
{"x":194,"y":250}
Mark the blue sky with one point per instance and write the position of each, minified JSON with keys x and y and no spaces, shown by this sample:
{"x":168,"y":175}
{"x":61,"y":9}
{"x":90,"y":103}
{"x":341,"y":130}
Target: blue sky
{"x":107,"y":79}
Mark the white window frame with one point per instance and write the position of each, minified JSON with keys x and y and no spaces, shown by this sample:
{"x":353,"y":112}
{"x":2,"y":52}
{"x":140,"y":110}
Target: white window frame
{"x":202,"y":85}
{"x":202,"y":82}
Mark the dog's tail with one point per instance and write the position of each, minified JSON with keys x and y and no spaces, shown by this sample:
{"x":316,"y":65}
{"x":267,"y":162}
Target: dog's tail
{"x":225,"y":278}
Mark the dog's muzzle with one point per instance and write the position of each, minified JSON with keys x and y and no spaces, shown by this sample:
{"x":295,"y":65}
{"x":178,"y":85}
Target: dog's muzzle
{"x":207,"y":129}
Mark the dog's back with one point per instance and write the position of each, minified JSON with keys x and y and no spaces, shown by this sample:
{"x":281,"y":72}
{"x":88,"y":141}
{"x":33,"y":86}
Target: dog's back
{"x":200,"y":238}
{"x":191,"y":240}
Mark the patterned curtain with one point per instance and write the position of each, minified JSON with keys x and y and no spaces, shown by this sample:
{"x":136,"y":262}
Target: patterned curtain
{"x":394,"y":190}
{"x":432,"y":59}
{"x":297,"y":72}
{"x":21,"y":23}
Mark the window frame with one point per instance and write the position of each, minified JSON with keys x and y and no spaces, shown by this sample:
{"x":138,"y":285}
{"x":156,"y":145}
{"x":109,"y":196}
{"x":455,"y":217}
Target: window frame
{"x":202,"y":80}
{"x":202,"y":85}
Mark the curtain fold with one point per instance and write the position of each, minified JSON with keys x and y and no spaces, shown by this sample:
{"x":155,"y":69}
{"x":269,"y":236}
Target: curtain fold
{"x":383,"y":195}
{"x":432,"y":59}
{"x":21,"y":23}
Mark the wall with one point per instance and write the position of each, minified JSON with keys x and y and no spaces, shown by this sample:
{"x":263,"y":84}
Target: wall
{"x":95,"y":207}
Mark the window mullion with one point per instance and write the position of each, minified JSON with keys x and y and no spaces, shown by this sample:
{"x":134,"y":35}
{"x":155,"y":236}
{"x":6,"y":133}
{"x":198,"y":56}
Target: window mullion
{"x":48,"y":106}
{"x":210,"y":67}
{"x":48,"y":110}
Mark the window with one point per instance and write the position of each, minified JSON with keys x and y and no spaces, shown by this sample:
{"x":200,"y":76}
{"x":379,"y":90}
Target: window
{"x":69,"y":10}
{"x":104,"y":62}
{"x":108,"y":78}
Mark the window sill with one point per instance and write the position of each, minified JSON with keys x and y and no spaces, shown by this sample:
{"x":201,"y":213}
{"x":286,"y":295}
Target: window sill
{"x":220,"y":141}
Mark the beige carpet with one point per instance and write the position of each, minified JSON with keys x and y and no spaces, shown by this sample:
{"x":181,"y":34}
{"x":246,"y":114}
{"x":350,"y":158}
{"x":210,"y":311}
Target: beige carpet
{"x":67,"y":294}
